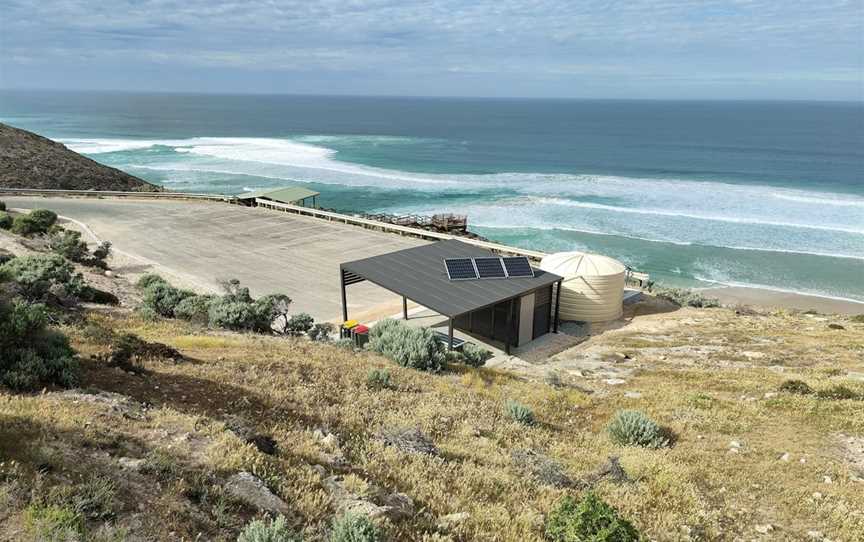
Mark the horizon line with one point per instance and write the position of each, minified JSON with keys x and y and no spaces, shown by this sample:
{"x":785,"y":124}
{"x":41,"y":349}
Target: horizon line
{"x":426,"y":96}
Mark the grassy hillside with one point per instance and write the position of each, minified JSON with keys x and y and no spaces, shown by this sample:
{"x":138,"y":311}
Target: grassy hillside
{"x":28,"y":160}
{"x":711,"y":376}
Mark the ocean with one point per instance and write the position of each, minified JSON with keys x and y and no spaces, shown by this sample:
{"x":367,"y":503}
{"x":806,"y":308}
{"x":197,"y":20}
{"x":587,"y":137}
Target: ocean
{"x":698,"y":194}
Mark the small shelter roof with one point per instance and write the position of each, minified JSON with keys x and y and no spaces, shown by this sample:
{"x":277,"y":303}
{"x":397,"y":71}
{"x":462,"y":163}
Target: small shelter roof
{"x":289,"y":194}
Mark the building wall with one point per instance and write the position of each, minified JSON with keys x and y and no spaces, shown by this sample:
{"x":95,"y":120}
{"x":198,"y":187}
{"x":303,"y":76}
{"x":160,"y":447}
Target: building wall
{"x":526,"y":319}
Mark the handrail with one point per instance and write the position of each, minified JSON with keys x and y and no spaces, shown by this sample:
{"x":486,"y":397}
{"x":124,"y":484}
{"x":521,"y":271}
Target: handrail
{"x":114,"y":193}
{"x":404,"y":230}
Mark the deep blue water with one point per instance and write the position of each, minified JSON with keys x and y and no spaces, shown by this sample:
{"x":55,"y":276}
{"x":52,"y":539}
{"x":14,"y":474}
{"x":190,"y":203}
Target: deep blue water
{"x":696,"y":193}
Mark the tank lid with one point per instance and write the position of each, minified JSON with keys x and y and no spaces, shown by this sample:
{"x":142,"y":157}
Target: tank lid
{"x":571,"y":264}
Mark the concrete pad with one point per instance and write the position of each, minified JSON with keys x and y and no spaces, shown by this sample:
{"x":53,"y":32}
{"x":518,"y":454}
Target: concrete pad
{"x":205,"y":243}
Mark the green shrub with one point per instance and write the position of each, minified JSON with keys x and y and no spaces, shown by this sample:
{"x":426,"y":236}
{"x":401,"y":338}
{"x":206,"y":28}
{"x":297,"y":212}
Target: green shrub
{"x":54,"y":523}
{"x":408,"y":346}
{"x":5,"y":221}
{"x":150,"y":278}
{"x":272,"y":310}
{"x":224,"y":312}
{"x":43,"y":218}
{"x":378,"y":379}
{"x":2,"y":205}
{"x":39,"y":274}
{"x":299,"y":324}
{"x":684,"y":297}
{"x":195,"y":308}
{"x":858,"y":318}
{"x":102,"y":251}
{"x":5,"y":256}
{"x":839,"y":393}
{"x":798,"y":387}
{"x":354,"y":528}
{"x":519,"y":412}
{"x":68,"y":243}
{"x":163,"y":298}
{"x":321,"y":332}
{"x":590,"y":520}
{"x":474,"y":355}
{"x":633,"y":428}
{"x":268,"y":531}
{"x":24,"y":225}
{"x":31,"y":355}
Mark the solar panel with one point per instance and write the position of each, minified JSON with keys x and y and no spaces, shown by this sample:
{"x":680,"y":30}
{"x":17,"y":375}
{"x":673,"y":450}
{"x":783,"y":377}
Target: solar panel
{"x":518,"y":266}
{"x":490,"y":268}
{"x":460,"y":268}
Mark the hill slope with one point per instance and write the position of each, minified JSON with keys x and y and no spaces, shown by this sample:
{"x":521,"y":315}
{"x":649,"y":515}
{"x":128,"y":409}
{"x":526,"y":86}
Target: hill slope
{"x":28,"y":160}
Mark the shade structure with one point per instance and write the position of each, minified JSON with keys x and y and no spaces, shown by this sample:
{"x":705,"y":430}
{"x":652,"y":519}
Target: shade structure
{"x":593,"y":286}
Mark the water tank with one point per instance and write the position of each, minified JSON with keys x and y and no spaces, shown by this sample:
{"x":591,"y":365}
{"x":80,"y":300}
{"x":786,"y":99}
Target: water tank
{"x":593,"y":287}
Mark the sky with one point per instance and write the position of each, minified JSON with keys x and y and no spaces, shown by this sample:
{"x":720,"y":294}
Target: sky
{"x":641,"y":49}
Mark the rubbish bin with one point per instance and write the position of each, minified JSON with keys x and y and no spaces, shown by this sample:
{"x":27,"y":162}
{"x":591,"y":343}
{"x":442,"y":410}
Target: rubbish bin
{"x":360,"y":334}
{"x":345,"y":330}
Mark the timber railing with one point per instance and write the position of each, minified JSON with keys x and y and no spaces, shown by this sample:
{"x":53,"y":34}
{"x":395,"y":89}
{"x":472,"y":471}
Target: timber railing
{"x":394,"y":228}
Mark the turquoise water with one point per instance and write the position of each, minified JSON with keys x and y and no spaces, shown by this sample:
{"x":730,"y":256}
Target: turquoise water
{"x":695,"y":193}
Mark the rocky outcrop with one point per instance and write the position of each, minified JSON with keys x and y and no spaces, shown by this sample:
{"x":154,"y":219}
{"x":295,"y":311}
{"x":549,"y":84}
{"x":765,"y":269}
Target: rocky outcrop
{"x":28,"y":160}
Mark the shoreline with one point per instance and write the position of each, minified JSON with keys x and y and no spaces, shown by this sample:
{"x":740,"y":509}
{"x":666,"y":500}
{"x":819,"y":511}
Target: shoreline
{"x":765,"y":298}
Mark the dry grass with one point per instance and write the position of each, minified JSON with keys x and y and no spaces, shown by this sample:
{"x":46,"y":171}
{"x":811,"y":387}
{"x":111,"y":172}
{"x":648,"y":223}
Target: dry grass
{"x":698,"y":489}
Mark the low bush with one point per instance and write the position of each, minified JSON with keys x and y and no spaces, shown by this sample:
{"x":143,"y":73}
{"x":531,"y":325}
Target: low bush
{"x":272,"y":310}
{"x":684,"y":297}
{"x":797,"y":387}
{"x":5,"y":220}
{"x":408,"y":346}
{"x":36,"y":222}
{"x":633,"y":428}
{"x":321,"y":332}
{"x":5,"y":256}
{"x":839,"y":393}
{"x":150,"y":278}
{"x":589,"y":520}
{"x":228,"y":313}
{"x":378,"y":379}
{"x":163,"y":298}
{"x":858,"y":318}
{"x":31,"y":355}
{"x":299,"y":324}
{"x":268,"y":531}
{"x":102,"y":251}
{"x":53,"y":523}
{"x":195,"y":309}
{"x":39,"y":275}
{"x":68,"y":244}
{"x":474,"y":355}
{"x":354,"y":528}
{"x":519,"y":412}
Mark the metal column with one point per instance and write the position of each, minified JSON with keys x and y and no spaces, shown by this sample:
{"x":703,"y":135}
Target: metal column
{"x":557,"y":304}
{"x":404,"y":307}
{"x":344,"y":300}
{"x":450,"y":332}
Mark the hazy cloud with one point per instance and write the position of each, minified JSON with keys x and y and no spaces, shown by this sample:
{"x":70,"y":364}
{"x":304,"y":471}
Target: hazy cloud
{"x":534,"y":47}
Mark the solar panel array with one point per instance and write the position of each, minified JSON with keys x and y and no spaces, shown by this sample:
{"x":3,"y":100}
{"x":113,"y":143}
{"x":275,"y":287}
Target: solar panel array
{"x":460,"y":269}
{"x":488,"y":268}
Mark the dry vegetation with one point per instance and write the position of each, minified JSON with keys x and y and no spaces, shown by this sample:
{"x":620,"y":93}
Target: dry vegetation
{"x":747,"y":462}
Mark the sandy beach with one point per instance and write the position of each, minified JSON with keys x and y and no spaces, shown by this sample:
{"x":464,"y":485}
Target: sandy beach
{"x":759,"y":297}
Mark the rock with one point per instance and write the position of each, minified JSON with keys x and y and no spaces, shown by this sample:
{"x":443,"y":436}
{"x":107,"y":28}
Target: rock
{"x":249,"y":488}
{"x":835,"y":326}
{"x":816,"y":495}
{"x":448,"y":522}
{"x":815,"y":535}
{"x":785,"y":457}
{"x":770,"y":394}
{"x":108,"y":273}
{"x":764,"y":529}
{"x":734,"y":444}
{"x":131,"y":463}
{"x":408,"y":439}
{"x":632,"y":394}
{"x":615,"y":381}
{"x":749,"y":354}
{"x":541,"y":468}
{"x":827,"y":480}
{"x":264,"y":444}
{"x":400,"y":504}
